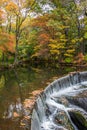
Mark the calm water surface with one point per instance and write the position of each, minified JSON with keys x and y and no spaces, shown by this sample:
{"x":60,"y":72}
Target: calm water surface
{"x":16,"y":87}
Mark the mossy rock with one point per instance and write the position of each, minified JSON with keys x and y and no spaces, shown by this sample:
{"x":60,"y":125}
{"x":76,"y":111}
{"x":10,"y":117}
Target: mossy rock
{"x":62,"y":119}
{"x":79,"y":119}
{"x":79,"y":100}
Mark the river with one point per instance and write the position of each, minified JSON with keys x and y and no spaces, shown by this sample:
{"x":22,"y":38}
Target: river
{"x":17,"y":89}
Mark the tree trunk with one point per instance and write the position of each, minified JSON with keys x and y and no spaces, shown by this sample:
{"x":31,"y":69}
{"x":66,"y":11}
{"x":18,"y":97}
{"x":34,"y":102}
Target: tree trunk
{"x":81,"y":44}
{"x":3,"y":59}
{"x":17,"y":34}
{"x":16,"y":50}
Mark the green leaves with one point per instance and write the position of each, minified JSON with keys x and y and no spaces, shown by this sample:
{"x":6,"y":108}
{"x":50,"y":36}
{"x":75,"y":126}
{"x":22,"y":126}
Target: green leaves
{"x":85,"y":35}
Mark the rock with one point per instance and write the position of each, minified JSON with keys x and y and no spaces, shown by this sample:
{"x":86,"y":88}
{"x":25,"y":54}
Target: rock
{"x":62,"y":119}
{"x":79,"y":100}
{"x":79,"y":120}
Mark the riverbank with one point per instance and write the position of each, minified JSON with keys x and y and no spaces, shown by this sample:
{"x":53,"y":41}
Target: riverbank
{"x":44,"y":63}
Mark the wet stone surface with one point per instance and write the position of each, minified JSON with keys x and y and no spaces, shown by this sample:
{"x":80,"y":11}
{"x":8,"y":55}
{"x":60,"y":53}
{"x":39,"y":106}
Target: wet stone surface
{"x":61,"y":118}
{"x":79,"y":100}
{"x":65,"y":109}
{"x":79,"y":119}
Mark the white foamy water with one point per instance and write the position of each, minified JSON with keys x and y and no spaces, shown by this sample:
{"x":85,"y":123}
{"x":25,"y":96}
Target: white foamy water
{"x":57,"y":103}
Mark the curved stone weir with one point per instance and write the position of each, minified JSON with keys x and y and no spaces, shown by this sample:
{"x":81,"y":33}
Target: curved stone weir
{"x":62,"y":105}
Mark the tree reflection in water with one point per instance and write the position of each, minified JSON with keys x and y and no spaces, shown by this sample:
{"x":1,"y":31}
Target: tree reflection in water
{"x":15,"y":113}
{"x":14,"y":110}
{"x":18,"y":92}
{"x":15,"y":116}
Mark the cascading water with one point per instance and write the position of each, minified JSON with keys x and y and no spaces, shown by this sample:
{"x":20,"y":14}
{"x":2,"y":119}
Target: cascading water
{"x":62,"y":105}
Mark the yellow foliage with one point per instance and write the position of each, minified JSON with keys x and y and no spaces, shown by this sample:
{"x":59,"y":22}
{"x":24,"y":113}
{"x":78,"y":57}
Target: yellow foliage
{"x":35,"y":55}
{"x":68,"y":55}
{"x":71,"y":51}
{"x":30,"y":2}
{"x":11,"y":7}
{"x":53,"y":46}
{"x":62,"y":36}
{"x":54,"y":41}
{"x":54,"y":52}
{"x":63,"y":40}
{"x":37,"y":47}
{"x":73,"y":40}
{"x":2,"y":81}
{"x":76,"y":40}
{"x":4,"y":1}
{"x":25,"y":23}
{"x":81,"y":39}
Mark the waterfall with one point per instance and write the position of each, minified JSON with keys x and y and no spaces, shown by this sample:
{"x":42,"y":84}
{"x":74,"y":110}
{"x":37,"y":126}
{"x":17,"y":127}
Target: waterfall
{"x":60,"y":103}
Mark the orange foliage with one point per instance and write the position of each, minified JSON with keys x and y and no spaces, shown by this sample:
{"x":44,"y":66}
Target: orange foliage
{"x":29,"y":103}
{"x":1,"y":12}
{"x":7,"y":43}
{"x":40,"y":21}
{"x":43,"y":38}
{"x":79,"y":58}
{"x":2,"y":15}
{"x":36,"y":92}
{"x":11,"y":6}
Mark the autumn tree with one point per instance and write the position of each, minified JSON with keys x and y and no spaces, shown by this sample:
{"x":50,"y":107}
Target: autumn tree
{"x":47,"y":29}
{"x":53,"y":35}
{"x":7,"y":46}
{"x":17,"y":11}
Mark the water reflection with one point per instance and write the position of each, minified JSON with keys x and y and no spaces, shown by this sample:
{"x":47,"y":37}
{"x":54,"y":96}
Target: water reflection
{"x":18,"y":91}
{"x":14,"y":110}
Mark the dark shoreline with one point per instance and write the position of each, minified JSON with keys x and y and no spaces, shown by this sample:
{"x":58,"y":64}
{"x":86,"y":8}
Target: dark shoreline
{"x":43,"y":63}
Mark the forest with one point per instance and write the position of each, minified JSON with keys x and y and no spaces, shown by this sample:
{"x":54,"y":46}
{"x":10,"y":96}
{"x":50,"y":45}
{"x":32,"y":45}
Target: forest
{"x":43,"y":30}
{"x":40,"y":42}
